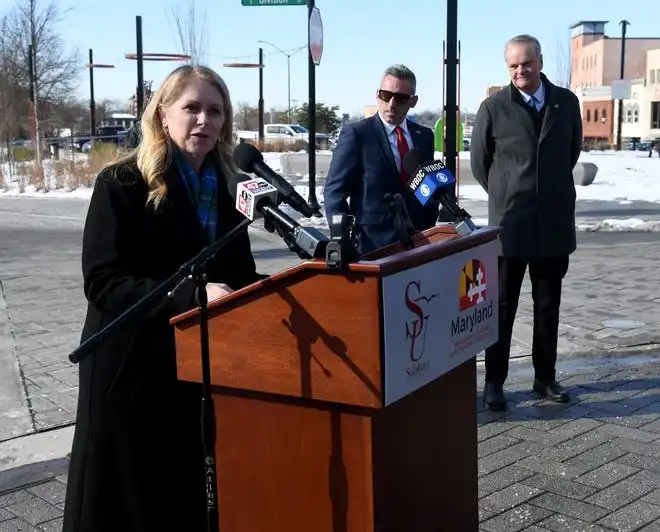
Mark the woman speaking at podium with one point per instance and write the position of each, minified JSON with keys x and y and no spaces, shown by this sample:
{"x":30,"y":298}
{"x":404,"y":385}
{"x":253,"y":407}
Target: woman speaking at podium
{"x":137,"y":456}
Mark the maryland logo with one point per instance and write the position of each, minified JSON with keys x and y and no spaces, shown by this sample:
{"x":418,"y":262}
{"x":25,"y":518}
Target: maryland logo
{"x":472,"y":284}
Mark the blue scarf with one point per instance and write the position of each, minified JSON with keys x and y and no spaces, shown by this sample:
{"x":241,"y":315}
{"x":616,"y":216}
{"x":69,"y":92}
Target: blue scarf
{"x":203,"y":192}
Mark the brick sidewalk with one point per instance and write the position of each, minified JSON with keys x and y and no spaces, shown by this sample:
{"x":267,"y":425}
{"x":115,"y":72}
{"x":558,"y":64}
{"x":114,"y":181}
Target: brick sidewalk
{"x":591,"y":465}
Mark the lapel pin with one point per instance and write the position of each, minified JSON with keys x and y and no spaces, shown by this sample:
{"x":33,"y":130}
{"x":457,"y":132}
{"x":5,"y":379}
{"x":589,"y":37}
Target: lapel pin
{"x":556,"y":106}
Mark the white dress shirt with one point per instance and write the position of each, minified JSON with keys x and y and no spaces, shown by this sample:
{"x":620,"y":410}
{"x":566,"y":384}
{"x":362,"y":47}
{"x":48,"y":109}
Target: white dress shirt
{"x":539,"y":95}
{"x":391,"y":136}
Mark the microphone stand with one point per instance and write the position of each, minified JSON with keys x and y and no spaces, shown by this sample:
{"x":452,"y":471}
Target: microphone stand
{"x":306,"y":242}
{"x":463,"y":221}
{"x":208,"y":411}
{"x":194,"y":269}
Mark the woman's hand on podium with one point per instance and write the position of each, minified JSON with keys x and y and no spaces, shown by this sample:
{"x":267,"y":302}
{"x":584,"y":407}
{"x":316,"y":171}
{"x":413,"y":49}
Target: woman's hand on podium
{"x":217,"y":290}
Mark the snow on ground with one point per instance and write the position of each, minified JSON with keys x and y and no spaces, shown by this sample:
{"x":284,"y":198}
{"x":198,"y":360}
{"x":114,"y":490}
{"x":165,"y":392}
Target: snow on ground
{"x":623,"y":177}
{"x":621,"y":226}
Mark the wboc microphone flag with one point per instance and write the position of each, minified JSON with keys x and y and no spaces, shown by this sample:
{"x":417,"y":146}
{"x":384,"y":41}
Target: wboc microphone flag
{"x":428,"y":179}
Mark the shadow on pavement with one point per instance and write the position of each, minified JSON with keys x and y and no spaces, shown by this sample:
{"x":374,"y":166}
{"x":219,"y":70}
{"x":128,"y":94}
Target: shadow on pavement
{"x":28,"y":474}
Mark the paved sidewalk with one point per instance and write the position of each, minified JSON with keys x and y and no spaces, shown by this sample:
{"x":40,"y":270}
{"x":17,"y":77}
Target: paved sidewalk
{"x":541,"y":466}
{"x":592,"y":465}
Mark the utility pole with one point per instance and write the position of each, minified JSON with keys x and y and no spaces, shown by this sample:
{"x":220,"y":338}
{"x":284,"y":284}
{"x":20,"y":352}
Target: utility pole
{"x":624,"y":24}
{"x":139,"y":94}
{"x":262,"y":137}
{"x":92,"y":103}
{"x":311,"y":110}
{"x":451,"y":103}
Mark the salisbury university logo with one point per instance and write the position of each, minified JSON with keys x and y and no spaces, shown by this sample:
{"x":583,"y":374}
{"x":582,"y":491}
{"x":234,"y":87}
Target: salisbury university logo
{"x":418,"y":324}
{"x":472,"y":284}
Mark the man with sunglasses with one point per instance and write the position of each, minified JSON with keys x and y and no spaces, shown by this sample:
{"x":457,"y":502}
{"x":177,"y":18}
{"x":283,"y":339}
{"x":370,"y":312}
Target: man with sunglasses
{"x":367,"y":164}
{"x":526,"y":140}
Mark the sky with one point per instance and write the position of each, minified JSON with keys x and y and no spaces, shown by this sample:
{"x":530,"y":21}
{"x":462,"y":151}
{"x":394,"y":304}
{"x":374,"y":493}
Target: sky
{"x":361,"y":39}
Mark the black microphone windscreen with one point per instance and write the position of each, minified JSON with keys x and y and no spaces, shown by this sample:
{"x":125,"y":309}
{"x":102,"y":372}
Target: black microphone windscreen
{"x":234,"y":180}
{"x":245,"y":155}
{"x":412,"y":161}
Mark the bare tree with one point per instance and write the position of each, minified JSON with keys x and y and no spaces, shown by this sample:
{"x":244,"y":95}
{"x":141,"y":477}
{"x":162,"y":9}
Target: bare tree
{"x":246,"y":117}
{"x":31,"y":30}
{"x":190,"y":29}
{"x":563,"y":61}
{"x":56,"y":71}
{"x":12,"y":97}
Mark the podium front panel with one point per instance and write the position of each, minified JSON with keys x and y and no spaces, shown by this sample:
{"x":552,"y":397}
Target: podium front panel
{"x":437,"y":316}
{"x":314,"y":335}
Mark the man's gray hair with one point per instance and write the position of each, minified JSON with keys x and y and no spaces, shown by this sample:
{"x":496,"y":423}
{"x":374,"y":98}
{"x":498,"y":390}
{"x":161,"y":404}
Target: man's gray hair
{"x":525,"y":39}
{"x":402,"y":72}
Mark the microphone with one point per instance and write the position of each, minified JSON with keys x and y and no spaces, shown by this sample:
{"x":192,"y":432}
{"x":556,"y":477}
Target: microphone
{"x":434,"y":180}
{"x":403,"y":225}
{"x":343,"y":245}
{"x":256,"y":198}
{"x":250,"y":159}
{"x":252,"y":195}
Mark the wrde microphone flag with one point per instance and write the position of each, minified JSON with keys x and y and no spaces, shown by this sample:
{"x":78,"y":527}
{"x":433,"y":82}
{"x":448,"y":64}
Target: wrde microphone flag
{"x":253,"y":194}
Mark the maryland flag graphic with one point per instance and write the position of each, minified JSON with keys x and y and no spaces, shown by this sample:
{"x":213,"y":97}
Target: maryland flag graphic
{"x":472,"y":284}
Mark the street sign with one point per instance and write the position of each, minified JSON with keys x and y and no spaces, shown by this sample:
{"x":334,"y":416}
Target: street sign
{"x":274,"y":2}
{"x":620,"y":89}
{"x":316,"y":35}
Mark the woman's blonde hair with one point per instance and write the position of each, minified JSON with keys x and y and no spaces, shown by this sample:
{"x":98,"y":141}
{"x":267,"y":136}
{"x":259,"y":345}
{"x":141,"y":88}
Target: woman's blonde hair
{"x":154,"y":153}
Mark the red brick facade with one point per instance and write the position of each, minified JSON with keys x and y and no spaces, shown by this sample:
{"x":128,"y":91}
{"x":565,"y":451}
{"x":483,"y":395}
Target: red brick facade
{"x":597,"y":120}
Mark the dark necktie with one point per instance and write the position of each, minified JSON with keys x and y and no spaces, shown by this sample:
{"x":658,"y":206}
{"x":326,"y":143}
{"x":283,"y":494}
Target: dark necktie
{"x":532,"y":102}
{"x":402,"y":147}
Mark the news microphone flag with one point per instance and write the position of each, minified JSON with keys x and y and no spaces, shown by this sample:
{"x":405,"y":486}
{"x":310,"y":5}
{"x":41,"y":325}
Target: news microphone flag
{"x":252,"y":194}
{"x":428,"y":179}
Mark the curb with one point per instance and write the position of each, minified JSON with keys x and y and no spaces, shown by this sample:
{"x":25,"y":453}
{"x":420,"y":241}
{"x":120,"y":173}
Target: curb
{"x":32,"y":474}
{"x":35,"y":458}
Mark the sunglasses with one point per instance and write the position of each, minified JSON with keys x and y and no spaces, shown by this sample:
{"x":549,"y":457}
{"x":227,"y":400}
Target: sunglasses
{"x":386,"y":96}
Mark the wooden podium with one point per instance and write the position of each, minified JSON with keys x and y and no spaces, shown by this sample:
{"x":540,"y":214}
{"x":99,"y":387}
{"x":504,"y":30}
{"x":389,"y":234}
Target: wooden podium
{"x":345,"y":402}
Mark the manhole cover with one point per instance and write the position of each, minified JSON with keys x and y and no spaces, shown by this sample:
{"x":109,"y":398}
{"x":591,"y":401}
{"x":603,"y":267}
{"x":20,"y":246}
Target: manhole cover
{"x":620,"y":323}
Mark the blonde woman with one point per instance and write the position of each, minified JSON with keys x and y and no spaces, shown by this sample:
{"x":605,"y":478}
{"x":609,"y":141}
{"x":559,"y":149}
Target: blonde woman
{"x":137,"y":458}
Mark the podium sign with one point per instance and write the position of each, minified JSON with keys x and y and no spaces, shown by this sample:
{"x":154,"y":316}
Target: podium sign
{"x":437,"y":316}
{"x":314,"y":370}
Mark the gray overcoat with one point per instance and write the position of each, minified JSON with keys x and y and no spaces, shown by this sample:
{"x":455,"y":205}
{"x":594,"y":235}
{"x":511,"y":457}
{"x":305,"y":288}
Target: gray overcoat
{"x":525,"y":162}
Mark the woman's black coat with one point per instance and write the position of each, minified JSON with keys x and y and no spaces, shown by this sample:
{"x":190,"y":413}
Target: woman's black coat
{"x":136,"y":462}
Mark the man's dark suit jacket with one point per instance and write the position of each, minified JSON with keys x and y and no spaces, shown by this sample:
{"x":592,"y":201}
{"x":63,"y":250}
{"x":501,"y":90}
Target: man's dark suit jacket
{"x":524,"y":159}
{"x":363,"y":169}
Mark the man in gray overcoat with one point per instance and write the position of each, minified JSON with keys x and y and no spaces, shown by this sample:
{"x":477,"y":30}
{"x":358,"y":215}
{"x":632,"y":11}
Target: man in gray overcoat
{"x":526,"y":140}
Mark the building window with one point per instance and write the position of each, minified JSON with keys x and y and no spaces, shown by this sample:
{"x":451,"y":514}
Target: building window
{"x":652,"y":77}
{"x":603,"y":115}
{"x":595,"y":115}
{"x":631,"y":115}
{"x":655,"y":115}
{"x":588,"y":115}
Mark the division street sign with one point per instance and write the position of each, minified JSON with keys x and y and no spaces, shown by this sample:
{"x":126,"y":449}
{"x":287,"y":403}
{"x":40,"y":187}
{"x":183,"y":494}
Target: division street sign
{"x":274,"y":2}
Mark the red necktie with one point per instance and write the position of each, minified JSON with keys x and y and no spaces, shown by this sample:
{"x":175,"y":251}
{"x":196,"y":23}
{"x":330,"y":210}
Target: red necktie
{"x":402,"y":146}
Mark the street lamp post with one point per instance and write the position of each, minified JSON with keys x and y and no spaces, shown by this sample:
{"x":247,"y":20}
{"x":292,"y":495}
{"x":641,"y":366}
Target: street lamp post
{"x":92,"y":103}
{"x":140,"y":57}
{"x":288,"y":67}
{"x":624,"y":24}
{"x":260,"y":65}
